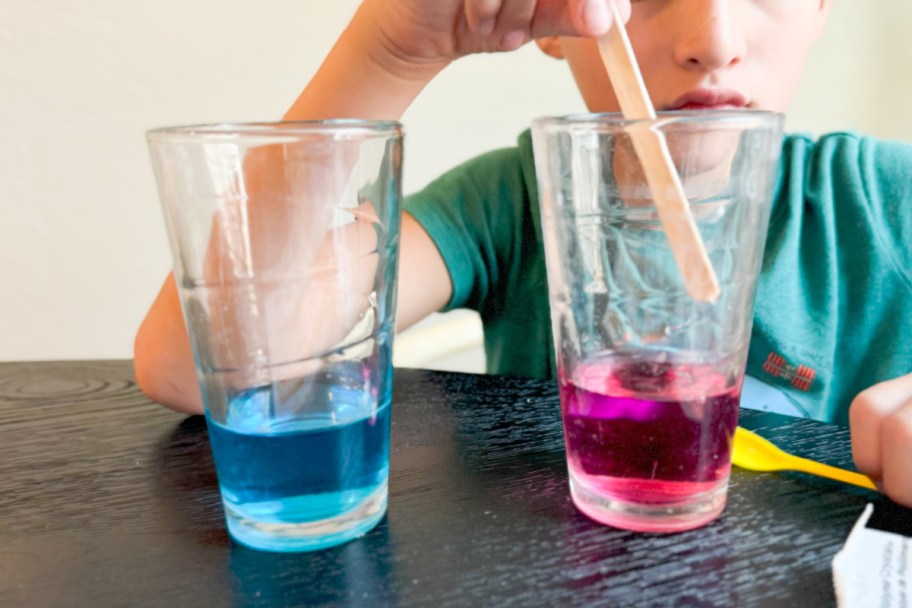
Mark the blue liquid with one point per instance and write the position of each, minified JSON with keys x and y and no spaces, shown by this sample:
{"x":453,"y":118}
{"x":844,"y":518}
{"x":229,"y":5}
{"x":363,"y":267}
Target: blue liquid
{"x":307,"y":482}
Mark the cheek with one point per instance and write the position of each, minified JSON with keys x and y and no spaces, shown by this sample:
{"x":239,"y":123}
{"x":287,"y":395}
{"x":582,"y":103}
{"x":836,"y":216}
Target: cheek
{"x":592,"y":79}
{"x":780,"y":67}
{"x":601,"y":98}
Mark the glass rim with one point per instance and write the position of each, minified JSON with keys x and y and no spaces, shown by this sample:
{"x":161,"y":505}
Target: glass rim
{"x":737,"y":118}
{"x":289,"y":128}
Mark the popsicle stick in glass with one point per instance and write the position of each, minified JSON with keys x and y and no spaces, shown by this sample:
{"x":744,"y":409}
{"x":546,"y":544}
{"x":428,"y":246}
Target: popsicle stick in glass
{"x":661,"y":176}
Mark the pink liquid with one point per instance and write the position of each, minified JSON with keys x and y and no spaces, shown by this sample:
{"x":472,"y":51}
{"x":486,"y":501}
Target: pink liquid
{"x":651,"y":432}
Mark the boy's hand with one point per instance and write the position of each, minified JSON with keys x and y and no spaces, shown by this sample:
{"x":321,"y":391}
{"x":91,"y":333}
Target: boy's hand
{"x":881,"y":424}
{"x":431,"y":33}
{"x":393,"y":48}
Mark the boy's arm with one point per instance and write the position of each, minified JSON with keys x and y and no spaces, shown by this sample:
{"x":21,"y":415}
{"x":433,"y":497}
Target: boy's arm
{"x":385,"y":57}
{"x":162,"y":358}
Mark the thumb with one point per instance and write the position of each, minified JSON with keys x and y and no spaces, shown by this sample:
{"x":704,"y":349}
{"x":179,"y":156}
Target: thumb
{"x":595,"y":17}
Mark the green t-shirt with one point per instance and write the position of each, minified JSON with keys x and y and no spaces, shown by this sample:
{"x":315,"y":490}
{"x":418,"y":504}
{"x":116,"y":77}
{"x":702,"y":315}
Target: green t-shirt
{"x":834,"y":305}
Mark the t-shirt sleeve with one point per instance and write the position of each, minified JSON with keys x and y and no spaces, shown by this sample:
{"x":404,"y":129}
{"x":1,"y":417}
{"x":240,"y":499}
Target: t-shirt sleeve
{"x":886,"y":170}
{"x":472,"y":214}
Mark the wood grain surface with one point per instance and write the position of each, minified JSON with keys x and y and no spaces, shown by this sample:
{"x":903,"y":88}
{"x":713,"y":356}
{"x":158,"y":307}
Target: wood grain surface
{"x":109,"y":500}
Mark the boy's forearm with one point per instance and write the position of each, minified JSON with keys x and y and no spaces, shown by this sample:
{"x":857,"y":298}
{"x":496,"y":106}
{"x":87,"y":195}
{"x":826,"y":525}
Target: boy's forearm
{"x":361,"y":78}
{"x":162,"y":358}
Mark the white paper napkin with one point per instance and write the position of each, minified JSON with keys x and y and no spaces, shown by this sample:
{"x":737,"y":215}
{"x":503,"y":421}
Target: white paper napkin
{"x":874,"y":568}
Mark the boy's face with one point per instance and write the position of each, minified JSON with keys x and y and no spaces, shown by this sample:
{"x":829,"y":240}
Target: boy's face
{"x":702,"y":54}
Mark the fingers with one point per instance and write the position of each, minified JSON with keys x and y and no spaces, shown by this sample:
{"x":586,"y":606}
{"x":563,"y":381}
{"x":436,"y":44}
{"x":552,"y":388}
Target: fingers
{"x":512,"y":23}
{"x":880,"y":419}
{"x":515,"y":21}
{"x":897,"y":455}
{"x":481,"y":15}
{"x":590,"y":17}
{"x":506,"y":23}
{"x":867,"y":415}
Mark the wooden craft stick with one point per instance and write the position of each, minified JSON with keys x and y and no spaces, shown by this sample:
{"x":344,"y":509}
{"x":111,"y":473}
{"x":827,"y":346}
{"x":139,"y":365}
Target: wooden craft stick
{"x":661,"y":176}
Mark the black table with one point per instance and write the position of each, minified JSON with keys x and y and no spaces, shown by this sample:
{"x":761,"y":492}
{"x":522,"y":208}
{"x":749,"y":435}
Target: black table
{"x":109,"y":500}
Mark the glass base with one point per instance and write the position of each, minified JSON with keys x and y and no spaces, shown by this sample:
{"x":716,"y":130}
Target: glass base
{"x":310,"y":535}
{"x":682,"y":510}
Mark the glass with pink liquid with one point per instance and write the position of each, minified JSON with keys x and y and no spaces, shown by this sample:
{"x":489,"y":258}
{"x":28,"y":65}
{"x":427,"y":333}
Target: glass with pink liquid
{"x":650,"y":379}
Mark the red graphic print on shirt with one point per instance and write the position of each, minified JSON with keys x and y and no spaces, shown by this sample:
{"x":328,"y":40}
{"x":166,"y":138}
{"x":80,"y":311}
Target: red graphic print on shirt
{"x":801,"y":376}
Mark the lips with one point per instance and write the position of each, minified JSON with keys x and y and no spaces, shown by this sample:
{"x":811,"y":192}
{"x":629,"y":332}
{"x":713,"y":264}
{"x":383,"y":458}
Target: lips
{"x":709,"y":99}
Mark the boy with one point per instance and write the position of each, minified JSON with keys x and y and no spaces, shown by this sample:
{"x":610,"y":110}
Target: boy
{"x":835,"y":295}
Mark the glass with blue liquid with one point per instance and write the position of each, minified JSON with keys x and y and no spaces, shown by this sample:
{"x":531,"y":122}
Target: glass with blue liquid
{"x":284,"y":238}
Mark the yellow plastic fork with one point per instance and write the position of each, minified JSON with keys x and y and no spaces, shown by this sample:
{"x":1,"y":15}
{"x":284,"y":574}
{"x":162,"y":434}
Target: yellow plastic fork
{"x":753,"y":452}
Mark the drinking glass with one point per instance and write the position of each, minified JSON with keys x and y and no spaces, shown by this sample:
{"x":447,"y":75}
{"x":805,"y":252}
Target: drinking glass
{"x":650,"y":379}
{"x":284,"y":239}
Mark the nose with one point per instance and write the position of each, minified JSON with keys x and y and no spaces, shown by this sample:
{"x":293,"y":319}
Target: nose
{"x":711,"y":35}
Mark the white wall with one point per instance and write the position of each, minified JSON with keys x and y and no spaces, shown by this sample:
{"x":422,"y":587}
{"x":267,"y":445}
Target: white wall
{"x":82,"y":242}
